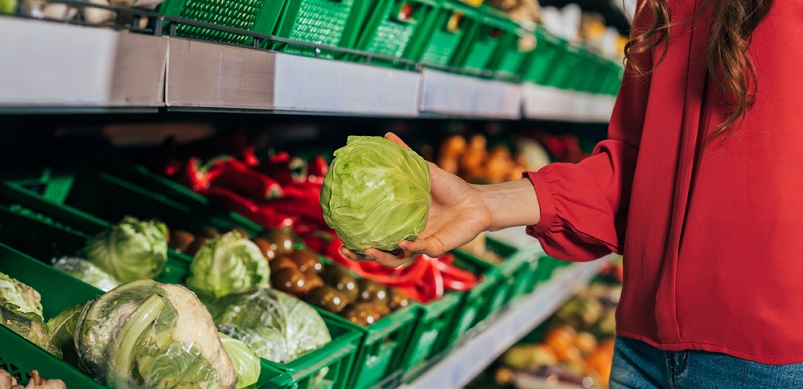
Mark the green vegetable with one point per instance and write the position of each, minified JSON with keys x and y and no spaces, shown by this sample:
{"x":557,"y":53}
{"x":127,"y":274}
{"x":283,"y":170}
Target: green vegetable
{"x":131,"y":250}
{"x":227,"y":264}
{"x":87,"y":272}
{"x":147,"y":334}
{"x":376,"y":194}
{"x":29,"y":325}
{"x":61,"y":330}
{"x":8,"y":6}
{"x":277,"y":326}
{"x":24,"y":298}
{"x":245,"y":361}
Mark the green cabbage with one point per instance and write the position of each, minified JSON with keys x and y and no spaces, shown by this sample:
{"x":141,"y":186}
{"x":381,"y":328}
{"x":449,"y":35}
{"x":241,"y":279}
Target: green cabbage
{"x":277,"y":326}
{"x":227,"y":264}
{"x":29,"y":325}
{"x":61,"y":330}
{"x":376,"y":194}
{"x":131,"y":250}
{"x":23,"y":297}
{"x":245,"y":361}
{"x":87,"y":272}
{"x":147,"y":334}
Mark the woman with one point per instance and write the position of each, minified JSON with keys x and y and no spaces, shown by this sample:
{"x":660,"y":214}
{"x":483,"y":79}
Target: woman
{"x":698,"y":186}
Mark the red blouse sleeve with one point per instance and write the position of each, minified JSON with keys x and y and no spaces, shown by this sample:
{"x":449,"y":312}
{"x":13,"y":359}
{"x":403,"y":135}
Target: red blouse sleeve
{"x":584,"y":206}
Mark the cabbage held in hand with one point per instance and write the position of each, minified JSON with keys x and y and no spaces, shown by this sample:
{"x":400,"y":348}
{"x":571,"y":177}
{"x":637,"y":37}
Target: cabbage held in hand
{"x":131,"y":250}
{"x":150,"y":335}
{"x":227,"y":264}
{"x":376,"y":194}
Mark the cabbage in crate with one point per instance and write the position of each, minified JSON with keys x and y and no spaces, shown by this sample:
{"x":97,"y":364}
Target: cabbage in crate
{"x":376,"y":194}
{"x":150,"y":335}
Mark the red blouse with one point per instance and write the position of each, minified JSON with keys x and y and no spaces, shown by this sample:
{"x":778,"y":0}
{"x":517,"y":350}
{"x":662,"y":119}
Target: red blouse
{"x":710,"y":232}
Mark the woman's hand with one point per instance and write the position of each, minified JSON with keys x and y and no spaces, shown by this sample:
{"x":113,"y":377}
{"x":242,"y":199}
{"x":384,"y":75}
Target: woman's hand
{"x":459,"y":212}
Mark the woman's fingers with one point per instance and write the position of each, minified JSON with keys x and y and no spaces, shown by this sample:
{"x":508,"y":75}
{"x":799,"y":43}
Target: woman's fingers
{"x":395,"y":139}
{"x":387,"y":259}
{"x":378,"y":256}
{"x":431,"y":246}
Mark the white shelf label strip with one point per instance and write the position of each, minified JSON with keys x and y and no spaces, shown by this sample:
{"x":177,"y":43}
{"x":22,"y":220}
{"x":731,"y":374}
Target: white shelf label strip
{"x":452,"y":94}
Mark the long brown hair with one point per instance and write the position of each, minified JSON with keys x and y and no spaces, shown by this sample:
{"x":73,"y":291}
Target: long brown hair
{"x":726,"y":54}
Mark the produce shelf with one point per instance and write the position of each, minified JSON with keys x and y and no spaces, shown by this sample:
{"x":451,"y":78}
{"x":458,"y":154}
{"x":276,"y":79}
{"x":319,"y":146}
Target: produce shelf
{"x":125,"y":72}
{"x":456,"y":366}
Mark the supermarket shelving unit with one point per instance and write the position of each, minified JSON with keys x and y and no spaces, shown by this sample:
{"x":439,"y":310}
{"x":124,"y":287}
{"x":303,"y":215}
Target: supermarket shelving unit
{"x":66,"y":69}
{"x":121,"y":71}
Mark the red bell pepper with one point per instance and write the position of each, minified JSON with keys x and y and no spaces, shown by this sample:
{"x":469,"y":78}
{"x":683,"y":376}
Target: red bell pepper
{"x":264,"y":216}
{"x":239,"y":177}
{"x":249,"y":158}
{"x":317,"y":167}
{"x":308,"y":208}
{"x":194,"y":177}
{"x":226,"y":198}
{"x":304,"y":189}
{"x":284,"y":168}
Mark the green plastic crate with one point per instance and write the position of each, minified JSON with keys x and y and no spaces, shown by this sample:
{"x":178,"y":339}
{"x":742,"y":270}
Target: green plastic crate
{"x":337,"y":356}
{"x":140,"y":176}
{"x":51,"y":283}
{"x":432,"y":324}
{"x":547,"y":55}
{"x":474,"y":304}
{"x":18,"y":356}
{"x":381,"y":348}
{"x":443,"y":45}
{"x":385,"y":33}
{"x":324,"y":22}
{"x":487,"y":41}
{"x":510,"y":59}
{"x":259,"y":16}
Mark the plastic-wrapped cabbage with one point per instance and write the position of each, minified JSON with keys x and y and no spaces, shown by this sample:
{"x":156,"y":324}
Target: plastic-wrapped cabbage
{"x":61,"y":330}
{"x":246,"y":362}
{"x":87,"y":272}
{"x":131,"y":250}
{"x":25,"y":298}
{"x":29,"y":325}
{"x":277,"y":326}
{"x":376,"y":194}
{"x":152,"y":335}
{"x":227,"y":264}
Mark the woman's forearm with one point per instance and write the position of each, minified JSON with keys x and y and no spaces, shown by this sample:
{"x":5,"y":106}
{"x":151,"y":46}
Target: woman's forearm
{"x":510,"y":204}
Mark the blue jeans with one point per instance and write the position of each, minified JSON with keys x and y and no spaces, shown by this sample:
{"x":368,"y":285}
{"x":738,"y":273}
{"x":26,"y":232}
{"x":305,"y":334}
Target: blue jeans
{"x":639,"y":365}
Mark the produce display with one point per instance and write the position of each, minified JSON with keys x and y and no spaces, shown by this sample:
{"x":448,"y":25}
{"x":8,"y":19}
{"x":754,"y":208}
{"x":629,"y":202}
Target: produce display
{"x":376,"y":194}
{"x":474,"y":162}
{"x":576,"y":343}
{"x":7,"y":381}
{"x":283,"y":191}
